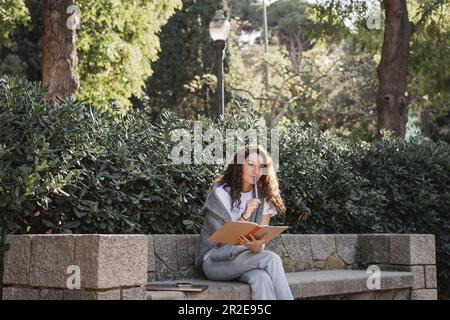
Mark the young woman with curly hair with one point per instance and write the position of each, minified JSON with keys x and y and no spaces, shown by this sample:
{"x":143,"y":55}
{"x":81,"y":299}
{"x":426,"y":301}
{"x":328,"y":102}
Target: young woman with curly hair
{"x":230,"y":199}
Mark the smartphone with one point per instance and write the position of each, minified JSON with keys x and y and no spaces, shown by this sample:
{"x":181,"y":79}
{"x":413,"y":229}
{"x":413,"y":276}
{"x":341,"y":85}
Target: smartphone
{"x":184,"y":285}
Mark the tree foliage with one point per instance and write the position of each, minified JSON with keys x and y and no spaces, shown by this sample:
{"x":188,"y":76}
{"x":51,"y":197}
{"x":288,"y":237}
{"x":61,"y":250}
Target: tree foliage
{"x":182,"y":79}
{"x":23,"y":56}
{"x":429,"y":83}
{"x":12,"y":12}
{"x":116,"y":45}
{"x":351,"y":34}
{"x":426,"y":93}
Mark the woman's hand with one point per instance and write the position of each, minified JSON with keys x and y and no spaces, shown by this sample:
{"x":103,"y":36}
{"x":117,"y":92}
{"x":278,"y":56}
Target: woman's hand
{"x":251,"y":205}
{"x":254,"y":245}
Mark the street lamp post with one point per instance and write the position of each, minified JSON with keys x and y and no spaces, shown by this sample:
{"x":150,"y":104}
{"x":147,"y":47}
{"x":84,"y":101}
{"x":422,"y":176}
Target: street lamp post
{"x":266,"y":48}
{"x":219,"y":28}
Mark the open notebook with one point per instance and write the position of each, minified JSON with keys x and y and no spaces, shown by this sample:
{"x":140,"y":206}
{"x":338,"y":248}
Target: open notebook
{"x":230,"y":232}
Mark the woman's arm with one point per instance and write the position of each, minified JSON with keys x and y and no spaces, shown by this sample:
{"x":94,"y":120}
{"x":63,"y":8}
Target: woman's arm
{"x":266,"y":219}
{"x":250,"y":206}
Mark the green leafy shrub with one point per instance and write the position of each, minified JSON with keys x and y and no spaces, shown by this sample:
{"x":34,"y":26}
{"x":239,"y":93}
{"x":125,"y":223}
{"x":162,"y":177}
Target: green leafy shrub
{"x":65,"y":167}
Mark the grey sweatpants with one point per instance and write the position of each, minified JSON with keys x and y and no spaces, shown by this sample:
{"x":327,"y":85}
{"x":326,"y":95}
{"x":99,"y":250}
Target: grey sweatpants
{"x":263,"y":271}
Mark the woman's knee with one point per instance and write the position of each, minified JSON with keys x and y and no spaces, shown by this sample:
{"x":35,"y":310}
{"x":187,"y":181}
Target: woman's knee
{"x":257,"y":276}
{"x":272,"y":255}
{"x":211,"y":273}
{"x":269,"y":258}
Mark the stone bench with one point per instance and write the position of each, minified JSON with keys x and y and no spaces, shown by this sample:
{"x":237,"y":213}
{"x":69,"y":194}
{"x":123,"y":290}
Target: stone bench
{"x":316,"y":266}
{"x":324,"y":284}
{"x":119,"y":267}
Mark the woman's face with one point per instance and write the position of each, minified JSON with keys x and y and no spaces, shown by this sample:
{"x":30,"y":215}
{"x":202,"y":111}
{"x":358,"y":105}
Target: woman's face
{"x":253,"y":166}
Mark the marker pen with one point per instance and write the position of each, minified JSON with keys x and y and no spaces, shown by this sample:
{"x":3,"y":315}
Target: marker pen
{"x":255,"y":188}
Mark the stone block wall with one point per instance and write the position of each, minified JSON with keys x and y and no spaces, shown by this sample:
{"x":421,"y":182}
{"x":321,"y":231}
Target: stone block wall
{"x":41,"y":266}
{"x":171,"y":256}
{"x":414,"y":253}
{"x":119,"y":266}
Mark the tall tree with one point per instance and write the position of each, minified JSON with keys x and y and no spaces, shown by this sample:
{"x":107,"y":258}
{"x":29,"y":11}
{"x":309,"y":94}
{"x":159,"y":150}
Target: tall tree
{"x":59,"y":56}
{"x":429,"y":80}
{"x":116,"y":45}
{"x":392,"y":70}
{"x":290,"y":27}
{"x":395,"y":52}
{"x":288,"y":21}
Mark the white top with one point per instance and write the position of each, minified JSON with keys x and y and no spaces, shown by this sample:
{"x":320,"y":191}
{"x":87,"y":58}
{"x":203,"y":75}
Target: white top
{"x":235,"y":214}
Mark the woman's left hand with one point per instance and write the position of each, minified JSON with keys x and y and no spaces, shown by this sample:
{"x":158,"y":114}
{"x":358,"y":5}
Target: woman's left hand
{"x":254,"y":245}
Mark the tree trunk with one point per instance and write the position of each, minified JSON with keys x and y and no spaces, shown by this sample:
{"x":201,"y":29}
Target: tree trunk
{"x":1,"y":271}
{"x":59,"y":57}
{"x":393,"y":67}
{"x":425,"y":122}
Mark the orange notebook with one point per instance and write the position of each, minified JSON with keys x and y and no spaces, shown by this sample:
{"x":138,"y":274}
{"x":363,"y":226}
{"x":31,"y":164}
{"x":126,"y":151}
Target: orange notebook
{"x":230,"y":232}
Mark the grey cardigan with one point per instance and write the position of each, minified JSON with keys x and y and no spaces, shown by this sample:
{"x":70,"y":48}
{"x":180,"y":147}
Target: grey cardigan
{"x":216,"y":215}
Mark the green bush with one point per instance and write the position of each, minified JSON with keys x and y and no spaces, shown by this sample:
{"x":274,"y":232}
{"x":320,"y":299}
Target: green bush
{"x":64,"y":167}
{"x":318,"y":180}
{"x":67,"y":168}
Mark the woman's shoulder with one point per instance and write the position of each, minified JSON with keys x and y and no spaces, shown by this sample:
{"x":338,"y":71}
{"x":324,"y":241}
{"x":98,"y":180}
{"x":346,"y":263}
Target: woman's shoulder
{"x":221,"y":190}
{"x":222,"y":193}
{"x":220,"y":187}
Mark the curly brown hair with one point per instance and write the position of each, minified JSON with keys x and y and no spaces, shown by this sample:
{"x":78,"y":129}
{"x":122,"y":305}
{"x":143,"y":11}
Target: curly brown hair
{"x":267,"y":184}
